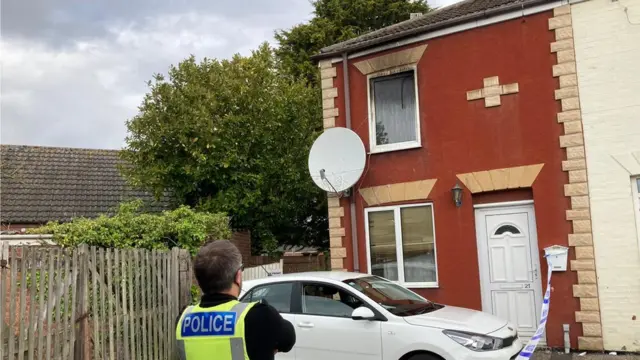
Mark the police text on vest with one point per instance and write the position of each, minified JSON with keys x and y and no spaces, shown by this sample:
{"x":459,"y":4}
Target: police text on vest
{"x":213,"y":323}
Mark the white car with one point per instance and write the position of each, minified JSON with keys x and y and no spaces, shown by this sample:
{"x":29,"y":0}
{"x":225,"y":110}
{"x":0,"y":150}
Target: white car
{"x":354,"y":316}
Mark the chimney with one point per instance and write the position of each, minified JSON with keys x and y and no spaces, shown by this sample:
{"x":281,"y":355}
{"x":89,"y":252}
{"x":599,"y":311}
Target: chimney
{"x":414,"y":15}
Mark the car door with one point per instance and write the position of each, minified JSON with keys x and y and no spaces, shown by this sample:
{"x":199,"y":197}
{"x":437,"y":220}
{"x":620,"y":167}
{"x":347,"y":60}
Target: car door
{"x":277,"y":295}
{"x":325,"y":329}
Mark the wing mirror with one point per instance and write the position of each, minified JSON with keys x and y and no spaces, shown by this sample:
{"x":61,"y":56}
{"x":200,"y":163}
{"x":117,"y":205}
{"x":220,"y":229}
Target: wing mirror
{"x":363,"y":313}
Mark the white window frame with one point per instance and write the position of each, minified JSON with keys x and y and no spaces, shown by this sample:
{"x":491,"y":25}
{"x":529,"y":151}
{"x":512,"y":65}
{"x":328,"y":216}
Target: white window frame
{"x":399,"y":253}
{"x":373,"y":148}
{"x":636,"y":204}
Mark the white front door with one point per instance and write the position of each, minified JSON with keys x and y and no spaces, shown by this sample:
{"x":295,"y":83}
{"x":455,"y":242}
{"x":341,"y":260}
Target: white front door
{"x":509,"y":264}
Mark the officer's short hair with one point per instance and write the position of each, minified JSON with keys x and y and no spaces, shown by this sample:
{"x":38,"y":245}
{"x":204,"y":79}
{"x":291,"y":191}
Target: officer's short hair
{"x":216,"y":265}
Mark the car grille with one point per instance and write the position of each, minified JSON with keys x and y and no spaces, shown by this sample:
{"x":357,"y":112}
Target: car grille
{"x":509,"y":341}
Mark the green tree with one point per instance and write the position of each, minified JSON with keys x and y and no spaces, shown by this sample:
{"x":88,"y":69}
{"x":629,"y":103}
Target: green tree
{"x":128,"y":227}
{"x":233,"y":136}
{"x":336,"y":21}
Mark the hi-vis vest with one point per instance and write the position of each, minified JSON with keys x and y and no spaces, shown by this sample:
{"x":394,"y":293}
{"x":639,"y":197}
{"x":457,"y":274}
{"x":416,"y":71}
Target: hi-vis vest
{"x":213,"y":333}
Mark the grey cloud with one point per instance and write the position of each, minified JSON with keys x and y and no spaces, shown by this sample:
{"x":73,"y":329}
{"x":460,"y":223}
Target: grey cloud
{"x":60,"y":22}
{"x":81,"y":94}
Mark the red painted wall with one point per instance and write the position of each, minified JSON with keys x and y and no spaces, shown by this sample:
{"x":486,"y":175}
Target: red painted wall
{"x":460,"y":136}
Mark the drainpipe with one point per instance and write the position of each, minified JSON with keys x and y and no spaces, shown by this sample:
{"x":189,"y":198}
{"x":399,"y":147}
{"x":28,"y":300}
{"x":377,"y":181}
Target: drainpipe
{"x":352,"y":198}
{"x":567,"y":339}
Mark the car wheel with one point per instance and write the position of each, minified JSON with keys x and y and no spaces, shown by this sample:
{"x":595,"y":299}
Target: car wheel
{"x":424,"y":357}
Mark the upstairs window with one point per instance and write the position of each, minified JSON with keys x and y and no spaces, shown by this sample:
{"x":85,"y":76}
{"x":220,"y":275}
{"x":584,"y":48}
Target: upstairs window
{"x":394,"y":111}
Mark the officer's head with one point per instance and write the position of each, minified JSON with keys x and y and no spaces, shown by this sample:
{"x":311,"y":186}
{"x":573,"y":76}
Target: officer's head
{"x":218,"y":268}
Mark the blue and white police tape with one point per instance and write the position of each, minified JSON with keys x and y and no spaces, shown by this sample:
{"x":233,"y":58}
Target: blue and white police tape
{"x":528,"y":350}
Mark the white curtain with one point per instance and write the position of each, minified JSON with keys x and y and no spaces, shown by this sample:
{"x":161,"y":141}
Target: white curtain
{"x":394,"y":99}
{"x":418,"y":240}
{"x":382,"y":238}
{"x":418,"y":244}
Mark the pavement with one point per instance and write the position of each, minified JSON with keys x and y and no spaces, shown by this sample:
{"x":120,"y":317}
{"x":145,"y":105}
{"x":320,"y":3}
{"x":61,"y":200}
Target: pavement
{"x":548,"y":355}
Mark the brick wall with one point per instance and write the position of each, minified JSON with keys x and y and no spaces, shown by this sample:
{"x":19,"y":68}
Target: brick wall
{"x":607,"y":49}
{"x":294,"y":264}
{"x":242,"y":239}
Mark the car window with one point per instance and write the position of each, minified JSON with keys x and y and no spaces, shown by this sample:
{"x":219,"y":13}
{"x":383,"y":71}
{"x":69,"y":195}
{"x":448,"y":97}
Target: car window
{"x":277,"y":295}
{"x":328,"y":300}
{"x":393,"y":297}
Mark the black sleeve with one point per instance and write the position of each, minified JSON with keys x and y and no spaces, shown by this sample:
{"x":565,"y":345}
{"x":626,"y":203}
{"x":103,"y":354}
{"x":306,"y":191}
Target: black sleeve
{"x":266,"y":331}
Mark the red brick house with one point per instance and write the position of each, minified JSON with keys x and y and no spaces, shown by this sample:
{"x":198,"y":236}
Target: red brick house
{"x":474,"y":97}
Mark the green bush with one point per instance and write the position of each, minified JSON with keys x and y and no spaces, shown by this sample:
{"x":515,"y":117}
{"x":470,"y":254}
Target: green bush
{"x":195,"y":294}
{"x":129,"y":228}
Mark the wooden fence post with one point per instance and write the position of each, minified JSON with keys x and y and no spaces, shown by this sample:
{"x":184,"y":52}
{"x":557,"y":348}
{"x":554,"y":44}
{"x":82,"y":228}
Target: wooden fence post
{"x":175,"y":280}
{"x":186,"y":278}
{"x":82,"y":348}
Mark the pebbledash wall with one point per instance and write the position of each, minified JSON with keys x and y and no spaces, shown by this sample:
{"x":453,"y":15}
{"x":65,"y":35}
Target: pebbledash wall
{"x":521,"y":131}
{"x":606,"y":36}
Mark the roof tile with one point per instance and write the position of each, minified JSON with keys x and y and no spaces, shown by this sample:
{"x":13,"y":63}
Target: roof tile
{"x":439,"y":18}
{"x":40,"y":184}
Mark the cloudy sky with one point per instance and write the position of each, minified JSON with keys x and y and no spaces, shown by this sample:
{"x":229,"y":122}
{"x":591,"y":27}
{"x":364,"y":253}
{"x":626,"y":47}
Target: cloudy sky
{"x":73,"y":71}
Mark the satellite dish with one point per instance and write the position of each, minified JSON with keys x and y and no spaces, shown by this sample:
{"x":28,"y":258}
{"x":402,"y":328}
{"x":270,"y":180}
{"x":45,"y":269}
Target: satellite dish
{"x":337,"y":159}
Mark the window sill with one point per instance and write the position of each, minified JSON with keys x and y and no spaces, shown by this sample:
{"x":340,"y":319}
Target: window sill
{"x":394,"y":147}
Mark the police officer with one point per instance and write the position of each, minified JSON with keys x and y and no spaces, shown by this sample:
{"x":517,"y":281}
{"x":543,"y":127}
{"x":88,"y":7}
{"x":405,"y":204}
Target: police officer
{"x":222,"y":328}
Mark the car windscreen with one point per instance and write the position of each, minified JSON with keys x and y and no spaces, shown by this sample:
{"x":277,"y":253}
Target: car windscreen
{"x":396,"y":299}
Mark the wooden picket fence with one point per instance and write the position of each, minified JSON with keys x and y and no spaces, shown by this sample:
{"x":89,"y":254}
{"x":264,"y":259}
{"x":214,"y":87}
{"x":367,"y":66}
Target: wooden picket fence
{"x":91,"y":303}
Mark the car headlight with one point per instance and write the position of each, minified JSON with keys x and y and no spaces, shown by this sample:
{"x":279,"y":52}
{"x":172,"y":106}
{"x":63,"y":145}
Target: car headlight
{"x":475,"y":342}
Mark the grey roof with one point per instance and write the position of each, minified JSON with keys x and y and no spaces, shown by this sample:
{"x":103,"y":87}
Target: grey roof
{"x":40,"y":184}
{"x":455,"y":14}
